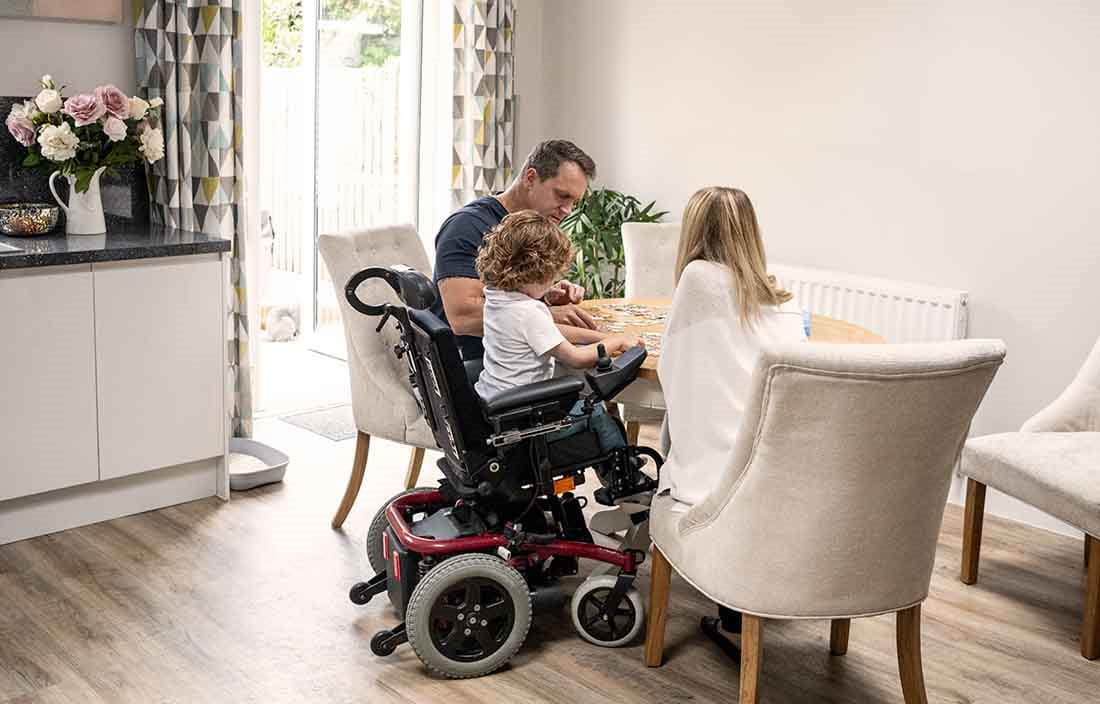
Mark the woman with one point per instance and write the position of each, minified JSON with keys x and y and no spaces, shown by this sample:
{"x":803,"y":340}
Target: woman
{"x":725,"y":308}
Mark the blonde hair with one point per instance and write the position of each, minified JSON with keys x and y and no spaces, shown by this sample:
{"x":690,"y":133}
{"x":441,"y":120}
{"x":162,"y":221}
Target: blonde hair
{"x":719,"y":226}
{"x":525,"y":248}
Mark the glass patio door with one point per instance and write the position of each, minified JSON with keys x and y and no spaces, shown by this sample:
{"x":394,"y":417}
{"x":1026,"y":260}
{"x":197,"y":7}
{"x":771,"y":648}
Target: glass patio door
{"x":340,"y":131}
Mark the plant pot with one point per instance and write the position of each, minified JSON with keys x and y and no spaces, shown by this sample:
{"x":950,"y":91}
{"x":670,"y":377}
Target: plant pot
{"x":84,"y":211}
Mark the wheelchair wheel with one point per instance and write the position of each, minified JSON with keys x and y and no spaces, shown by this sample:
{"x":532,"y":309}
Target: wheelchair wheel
{"x":378,"y":526}
{"x":607,"y":632}
{"x":469,"y":616}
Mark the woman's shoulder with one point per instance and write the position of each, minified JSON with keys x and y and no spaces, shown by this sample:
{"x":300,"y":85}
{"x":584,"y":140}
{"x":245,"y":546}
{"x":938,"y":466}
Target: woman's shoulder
{"x":703,"y":274}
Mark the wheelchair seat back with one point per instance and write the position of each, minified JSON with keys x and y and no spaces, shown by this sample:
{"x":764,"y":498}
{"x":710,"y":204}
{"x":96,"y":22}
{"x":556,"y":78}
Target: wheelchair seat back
{"x":451,"y":405}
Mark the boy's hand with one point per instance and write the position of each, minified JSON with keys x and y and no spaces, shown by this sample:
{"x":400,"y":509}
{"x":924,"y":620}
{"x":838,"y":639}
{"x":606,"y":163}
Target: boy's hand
{"x":564,"y":292}
{"x":617,"y":344}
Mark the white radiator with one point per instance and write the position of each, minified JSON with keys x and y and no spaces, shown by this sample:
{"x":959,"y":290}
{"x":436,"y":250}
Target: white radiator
{"x":896,"y":310}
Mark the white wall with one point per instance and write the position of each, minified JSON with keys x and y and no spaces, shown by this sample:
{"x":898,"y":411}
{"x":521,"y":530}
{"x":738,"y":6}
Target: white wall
{"x":531,"y":110}
{"x":81,"y":55}
{"x":950,"y":142}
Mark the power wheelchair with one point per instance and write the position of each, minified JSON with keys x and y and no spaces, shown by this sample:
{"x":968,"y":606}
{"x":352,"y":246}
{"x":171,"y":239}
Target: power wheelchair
{"x":463,"y":562}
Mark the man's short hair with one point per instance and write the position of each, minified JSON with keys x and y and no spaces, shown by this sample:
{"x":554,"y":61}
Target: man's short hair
{"x":546,"y":159}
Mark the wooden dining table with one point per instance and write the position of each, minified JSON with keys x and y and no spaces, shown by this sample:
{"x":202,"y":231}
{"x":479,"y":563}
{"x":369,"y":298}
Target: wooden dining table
{"x":646,"y":318}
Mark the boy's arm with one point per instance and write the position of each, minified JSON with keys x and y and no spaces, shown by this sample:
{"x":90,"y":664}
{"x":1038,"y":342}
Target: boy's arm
{"x":576,"y":357}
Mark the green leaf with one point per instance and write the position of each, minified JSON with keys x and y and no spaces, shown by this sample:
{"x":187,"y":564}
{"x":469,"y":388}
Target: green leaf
{"x":33,"y":158}
{"x":83,"y":179}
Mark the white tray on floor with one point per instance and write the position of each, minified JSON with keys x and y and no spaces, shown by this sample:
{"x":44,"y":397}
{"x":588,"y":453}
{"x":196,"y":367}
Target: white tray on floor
{"x":272,"y":469}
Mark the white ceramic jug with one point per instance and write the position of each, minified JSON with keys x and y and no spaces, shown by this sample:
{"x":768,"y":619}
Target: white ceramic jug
{"x":84,"y":212}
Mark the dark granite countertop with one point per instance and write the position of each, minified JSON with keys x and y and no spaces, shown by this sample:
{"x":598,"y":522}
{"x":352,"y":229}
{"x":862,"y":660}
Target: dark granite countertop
{"x":122,"y":241}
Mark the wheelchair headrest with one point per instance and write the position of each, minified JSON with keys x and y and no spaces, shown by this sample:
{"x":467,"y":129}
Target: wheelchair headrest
{"x":414,"y":289}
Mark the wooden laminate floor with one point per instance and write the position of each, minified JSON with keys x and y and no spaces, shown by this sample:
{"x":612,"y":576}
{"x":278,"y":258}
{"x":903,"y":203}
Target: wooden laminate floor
{"x":247,"y":602}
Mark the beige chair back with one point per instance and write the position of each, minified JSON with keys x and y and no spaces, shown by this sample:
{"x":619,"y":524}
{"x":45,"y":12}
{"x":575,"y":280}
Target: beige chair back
{"x":382,"y":400}
{"x":831,"y":504}
{"x":649,"y":250}
{"x":1077,"y":409}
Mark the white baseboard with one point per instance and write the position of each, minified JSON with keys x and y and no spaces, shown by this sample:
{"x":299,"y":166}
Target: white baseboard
{"x":31,"y":516}
{"x":1004,"y":506}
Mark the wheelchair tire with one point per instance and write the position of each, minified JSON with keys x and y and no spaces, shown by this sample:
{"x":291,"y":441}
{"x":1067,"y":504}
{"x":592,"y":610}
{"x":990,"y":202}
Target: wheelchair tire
{"x":612,"y":633}
{"x":378,"y":526}
{"x":440,"y":609}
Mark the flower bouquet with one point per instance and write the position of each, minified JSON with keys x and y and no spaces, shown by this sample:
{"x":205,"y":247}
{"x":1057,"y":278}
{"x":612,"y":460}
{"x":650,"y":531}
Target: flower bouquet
{"x":81,"y":137}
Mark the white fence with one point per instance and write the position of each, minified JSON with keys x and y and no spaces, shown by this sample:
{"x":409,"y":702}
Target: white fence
{"x":357,"y":153}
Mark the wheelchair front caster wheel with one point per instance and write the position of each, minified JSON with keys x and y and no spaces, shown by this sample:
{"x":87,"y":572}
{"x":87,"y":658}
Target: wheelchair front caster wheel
{"x":360,"y":593}
{"x":604,"y":629}
{"x":383,"y":643}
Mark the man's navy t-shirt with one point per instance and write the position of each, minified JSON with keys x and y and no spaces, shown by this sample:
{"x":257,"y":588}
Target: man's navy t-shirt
{"x":455,"y":251}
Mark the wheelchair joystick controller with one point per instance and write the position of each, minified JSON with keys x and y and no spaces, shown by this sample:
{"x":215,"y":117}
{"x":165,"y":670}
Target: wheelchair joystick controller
{"x":603,"y":362}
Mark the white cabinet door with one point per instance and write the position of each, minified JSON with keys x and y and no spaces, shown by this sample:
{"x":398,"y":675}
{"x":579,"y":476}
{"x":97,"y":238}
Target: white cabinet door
{"x":47,"y":380}
{"x":159,"y":361}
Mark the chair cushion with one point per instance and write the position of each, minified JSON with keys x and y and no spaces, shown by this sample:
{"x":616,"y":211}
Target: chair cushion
{"x":1058,"y":473}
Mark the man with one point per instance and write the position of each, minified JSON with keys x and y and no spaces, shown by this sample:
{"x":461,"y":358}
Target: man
{"x":552,"y":180}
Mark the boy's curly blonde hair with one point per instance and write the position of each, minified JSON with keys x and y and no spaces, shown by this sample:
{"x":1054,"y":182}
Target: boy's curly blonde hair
{"x":525,"y":248}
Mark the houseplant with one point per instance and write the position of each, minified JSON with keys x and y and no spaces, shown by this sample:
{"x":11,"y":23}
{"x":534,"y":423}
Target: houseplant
{"x":81,"y":137}
{"x":595,"y":226}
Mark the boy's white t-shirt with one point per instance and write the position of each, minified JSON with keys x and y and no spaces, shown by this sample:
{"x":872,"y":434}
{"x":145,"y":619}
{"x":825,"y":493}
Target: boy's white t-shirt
{"x":519,"y":333}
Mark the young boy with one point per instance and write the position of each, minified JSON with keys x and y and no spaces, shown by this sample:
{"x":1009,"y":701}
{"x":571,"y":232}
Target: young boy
{"x":519,"y":261}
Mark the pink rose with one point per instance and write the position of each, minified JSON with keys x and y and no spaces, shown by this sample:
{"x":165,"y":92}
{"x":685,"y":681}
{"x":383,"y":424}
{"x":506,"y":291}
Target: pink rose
{"x":21,"y":127}
{"x":85,"y":108}
{"x":114,"y":100}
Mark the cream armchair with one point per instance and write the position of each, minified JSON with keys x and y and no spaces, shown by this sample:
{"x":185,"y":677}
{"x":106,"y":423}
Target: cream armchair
{"x":1053,"y":463}
{"x":381,"y":399}
{"x":830,"y":504}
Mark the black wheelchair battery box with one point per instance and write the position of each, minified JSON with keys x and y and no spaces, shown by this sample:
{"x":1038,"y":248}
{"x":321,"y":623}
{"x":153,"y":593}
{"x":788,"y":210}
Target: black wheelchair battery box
{"x":402,"y":571}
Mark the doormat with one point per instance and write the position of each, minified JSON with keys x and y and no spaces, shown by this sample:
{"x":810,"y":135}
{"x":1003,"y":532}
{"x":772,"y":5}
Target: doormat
{"x":336,"y":423}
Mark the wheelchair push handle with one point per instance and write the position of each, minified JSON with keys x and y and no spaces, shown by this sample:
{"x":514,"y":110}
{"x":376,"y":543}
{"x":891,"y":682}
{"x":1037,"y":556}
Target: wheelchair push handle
{"x":413,"y":288}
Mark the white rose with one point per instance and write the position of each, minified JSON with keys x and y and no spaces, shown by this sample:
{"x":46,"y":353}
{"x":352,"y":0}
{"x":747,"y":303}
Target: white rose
{"x":48,"y":101}
{"x":30,"y":109}
{"x":47,"y":80}
{"x":138,"y":108}
{"x":152,"y":144}
{"x":58,"y":142}
{"x":115,"y":129}
{"x":156,"y":103}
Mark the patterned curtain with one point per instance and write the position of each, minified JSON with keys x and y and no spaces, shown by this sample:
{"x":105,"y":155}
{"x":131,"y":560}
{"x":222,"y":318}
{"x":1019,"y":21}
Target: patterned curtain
{"x":484,"y":98}
{"x":189,"y":55}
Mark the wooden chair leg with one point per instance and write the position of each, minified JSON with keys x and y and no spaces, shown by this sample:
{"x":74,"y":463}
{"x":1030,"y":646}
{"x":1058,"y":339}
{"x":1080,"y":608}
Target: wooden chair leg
{"x":752,"y":653}
{"x":413,"y":473}
{"x":632,"y":430}
{"x":358,"y":467}
{"x":909,"y":663}
{"x":1089,"y":540}
{"x":661,"y":576}
{"x":1090,"y":632}
{"x":972,"y":531}
{"x":838,"y":635}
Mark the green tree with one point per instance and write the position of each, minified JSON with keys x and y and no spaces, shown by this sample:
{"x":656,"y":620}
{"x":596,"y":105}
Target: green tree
{"x":282,"y":33}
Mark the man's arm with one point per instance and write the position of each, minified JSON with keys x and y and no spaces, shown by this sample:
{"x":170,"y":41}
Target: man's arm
{"x":464,"y":304}
{"x":581,"y":336}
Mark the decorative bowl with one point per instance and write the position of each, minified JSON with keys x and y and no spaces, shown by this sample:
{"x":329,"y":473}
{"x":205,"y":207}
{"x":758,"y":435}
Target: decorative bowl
{"x":27,"y":219}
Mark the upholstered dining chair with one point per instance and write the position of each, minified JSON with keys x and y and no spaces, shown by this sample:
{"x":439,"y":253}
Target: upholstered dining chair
{"x":381,"y":399}
{"x":830,"y":503}
{"x":649,"y":251}
{"x":1053,"y":463}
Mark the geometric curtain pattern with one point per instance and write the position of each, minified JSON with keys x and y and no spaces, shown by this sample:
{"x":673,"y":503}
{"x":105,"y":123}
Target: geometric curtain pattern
{"x":484,"y":98}
{"x":189,"y":55}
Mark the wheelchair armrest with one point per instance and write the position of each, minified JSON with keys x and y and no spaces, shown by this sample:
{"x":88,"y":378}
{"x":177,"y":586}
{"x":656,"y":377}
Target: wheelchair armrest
{"x":623,"y":371}
{"x":560,"y":390}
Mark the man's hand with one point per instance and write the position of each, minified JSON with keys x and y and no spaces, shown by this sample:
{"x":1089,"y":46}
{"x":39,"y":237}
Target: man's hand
{"x":574,"y":316}
{"x":564,"y":293}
